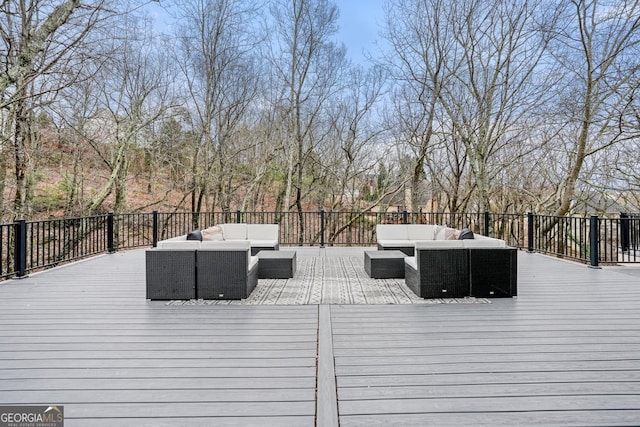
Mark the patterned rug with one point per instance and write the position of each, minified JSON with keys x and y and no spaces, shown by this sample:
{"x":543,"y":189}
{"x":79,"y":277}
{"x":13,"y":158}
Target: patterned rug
{"x":332,"y":280}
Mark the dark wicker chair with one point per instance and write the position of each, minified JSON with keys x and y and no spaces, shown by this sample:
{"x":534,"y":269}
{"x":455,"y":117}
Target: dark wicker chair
{"x":439,"y":269}
{"x":225,"y":270}
{"x":493,"y":272}
{"x":171,"y":271}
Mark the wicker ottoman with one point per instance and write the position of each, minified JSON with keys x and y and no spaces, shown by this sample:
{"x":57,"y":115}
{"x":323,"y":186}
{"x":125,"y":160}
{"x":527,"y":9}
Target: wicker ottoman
{"x":384,"y":264}
{"x":276,"y":264}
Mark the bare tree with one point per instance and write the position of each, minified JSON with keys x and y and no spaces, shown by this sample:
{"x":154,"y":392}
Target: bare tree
{"x":44,"y":44}
{"x":495,"y":91}
{"x":597,"y":49}
{"x":452,"y":185}
{"x":219,"y":69}
{"x":422,"y":61}
{"x":133,"y":93}
{"x":308,"y":67}
{"x":354,"y":146}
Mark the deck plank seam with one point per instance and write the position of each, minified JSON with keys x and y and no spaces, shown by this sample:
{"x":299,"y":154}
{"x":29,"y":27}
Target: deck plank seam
{"x":327,"y":393}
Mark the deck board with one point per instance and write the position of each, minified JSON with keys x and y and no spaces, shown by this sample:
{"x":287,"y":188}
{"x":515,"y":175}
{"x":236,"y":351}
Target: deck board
{"x":565,"y":352}
{"x":85,"y":337}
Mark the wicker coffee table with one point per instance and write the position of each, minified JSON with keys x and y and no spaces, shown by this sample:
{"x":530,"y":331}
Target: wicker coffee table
{"x":384,"y":264}
{"x":276,"y":264}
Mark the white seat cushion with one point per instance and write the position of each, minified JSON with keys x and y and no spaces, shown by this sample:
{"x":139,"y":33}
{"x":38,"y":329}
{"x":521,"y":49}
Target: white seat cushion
{"x":484,"y":243}
{"x":253,"y":261}
{"x":226,"y":245}
{"x":439,"y":244}
{"x":411,"y":262}
{"x":264,"y":243}
{"x":179,"y":244}
{"x":176,"y":239}
{"x":396,"y":243}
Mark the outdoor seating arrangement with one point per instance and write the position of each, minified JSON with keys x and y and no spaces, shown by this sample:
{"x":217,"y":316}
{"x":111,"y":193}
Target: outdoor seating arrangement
{"x":216,"y":263}
{"x":438,"y":270}
{"x":191,"y":269}
{"x":402,"y":237}
{"x":171,"y":270}
{"x":493,"y":271}
{"x":442,"y":262}
{"x":261,"y":236}
{"x":478,"y":268}
{"x":226,"y":261}
{"x":225,"y":270}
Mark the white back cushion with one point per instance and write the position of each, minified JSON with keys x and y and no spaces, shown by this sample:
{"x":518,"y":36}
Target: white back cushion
{"x":262,"y":231}
{"x":421,"y":232}
{"x":234,"y":231}
{"x":391,"y":232}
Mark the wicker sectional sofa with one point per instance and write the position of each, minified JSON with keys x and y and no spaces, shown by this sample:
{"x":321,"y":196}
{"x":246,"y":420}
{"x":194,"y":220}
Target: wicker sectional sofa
{"x":225,"y":270}
{"x":456,"y":269}
{"x":438,"y":265}
{"x":223,"y":265}
{"x":190,"y":269}
{"x":171,"y":270}
{"x":261,"y":236}
{"x":402,"y":237}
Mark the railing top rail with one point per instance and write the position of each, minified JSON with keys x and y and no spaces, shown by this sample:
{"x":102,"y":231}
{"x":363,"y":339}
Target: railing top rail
{"x":361,"y":212}
{"x":78,"y":218}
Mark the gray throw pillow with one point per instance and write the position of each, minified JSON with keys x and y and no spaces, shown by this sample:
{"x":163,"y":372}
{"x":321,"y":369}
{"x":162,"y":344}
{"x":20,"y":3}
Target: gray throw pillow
{"x":465,"y":234}
{"x":195,"y":235}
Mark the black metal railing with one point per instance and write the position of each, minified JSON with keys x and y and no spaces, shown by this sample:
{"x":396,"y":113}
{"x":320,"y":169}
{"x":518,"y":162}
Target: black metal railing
{"x":567,"y":237}
{"x":27,"y":246}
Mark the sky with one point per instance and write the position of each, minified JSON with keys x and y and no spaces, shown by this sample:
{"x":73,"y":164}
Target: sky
{"x":360,"y":22}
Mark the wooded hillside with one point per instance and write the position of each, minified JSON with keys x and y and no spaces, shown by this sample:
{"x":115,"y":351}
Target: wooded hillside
{"x":473,"y":105}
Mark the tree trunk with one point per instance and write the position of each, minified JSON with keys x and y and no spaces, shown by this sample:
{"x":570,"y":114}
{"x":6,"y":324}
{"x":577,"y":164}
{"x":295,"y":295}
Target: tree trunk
{"x":3,"y":183}
{"x":22,"y":142}
{"x":115,"y":179}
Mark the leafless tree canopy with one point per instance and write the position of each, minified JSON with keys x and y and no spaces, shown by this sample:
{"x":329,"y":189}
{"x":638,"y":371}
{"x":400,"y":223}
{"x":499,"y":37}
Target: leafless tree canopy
{"x":499,"y":105}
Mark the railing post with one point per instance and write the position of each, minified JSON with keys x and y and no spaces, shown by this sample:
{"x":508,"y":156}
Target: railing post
{"x":529,"y":232}
{"x":624,"y":232}
{"x":487,"y":219}
{"x":20,"y":248}
{"x":110,"y":234}
{"x":154,"y":232}
{"x":238,"y":216}
{"x":405,"y":217}
{"x":594,"y":234}
{"x":322,"y":223}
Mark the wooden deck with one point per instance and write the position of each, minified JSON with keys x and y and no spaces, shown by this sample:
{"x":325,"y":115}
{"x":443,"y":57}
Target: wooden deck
{"x":565,"y":352}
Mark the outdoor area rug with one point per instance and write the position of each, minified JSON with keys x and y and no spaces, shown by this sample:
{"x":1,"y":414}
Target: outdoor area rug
{"x":332,"y":280}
